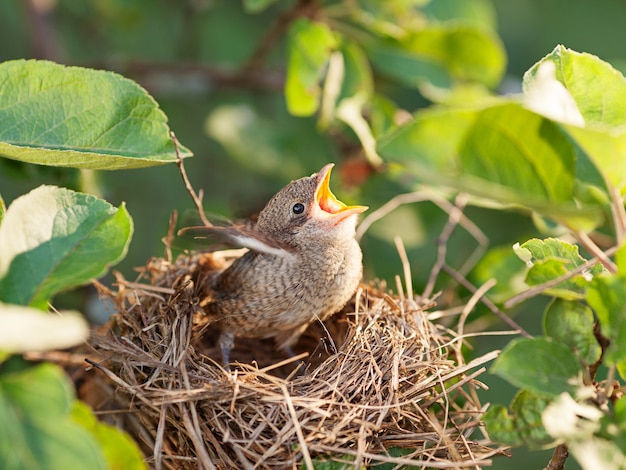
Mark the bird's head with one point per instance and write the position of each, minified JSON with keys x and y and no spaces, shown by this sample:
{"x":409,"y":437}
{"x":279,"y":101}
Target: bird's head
{"x":305,"y":210}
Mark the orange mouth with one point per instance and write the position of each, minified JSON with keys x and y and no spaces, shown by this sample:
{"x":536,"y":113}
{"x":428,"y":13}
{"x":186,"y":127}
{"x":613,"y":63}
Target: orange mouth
{"x":327,"y":200}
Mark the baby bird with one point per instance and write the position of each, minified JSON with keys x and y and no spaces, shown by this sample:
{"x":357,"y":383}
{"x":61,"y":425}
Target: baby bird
{"x":303,"y":265}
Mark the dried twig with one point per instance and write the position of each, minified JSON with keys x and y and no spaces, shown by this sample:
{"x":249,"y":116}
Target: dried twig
{"x":485,"y":301}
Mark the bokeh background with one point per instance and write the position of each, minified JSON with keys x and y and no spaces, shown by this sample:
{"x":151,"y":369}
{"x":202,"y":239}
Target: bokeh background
{"x":187,"y":54}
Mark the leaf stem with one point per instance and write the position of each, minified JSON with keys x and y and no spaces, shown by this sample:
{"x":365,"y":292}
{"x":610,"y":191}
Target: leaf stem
{"x":595,"y":250}
{"x":197,"y":198}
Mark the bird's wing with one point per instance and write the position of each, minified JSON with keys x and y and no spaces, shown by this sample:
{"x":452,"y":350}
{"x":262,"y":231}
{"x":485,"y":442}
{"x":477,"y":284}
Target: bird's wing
{"x":241,"y":236}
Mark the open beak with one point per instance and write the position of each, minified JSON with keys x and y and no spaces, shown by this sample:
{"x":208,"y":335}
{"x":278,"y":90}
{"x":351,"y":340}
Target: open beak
{"x":327,"y":200}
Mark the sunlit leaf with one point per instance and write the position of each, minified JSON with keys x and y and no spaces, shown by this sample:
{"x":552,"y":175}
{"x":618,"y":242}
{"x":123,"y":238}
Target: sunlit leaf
{"x":599,"y":92}
{"x":598,"y":89}
{"x":28,"y":329}
{"x":80,"y":118}
{"x":52,"y":239}
{"x":310,"y":45}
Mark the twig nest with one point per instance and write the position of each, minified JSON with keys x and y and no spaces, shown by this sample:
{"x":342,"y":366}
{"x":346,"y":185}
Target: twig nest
{"x":380,"y":383}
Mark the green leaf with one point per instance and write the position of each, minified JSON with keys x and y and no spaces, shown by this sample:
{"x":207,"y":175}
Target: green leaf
{"x":439,"y":55}
{"x":502,"y":154}
{"x":120,"y":451}
{"x":310,"y":45}
{"x":52,"y":239}
{"x":429,"y":144}
{"x":522,"y":153}
{"x":392,"y":59}
{"x":80,"y":118}
{"x":571,"y":323}
{"x":36,"y":431}
{"x":552,"y":258}
{"x":522,"y":424}
{"x":597,"y":88}
{"x":607,"y":297}
{"x":607,"y":151}
{"x":599,"y":93}
{"x":28,"y":329}
{"x":553,"y":369}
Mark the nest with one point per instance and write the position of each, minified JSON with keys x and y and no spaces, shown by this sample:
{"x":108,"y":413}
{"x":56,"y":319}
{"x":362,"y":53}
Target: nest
{"x":377,"y":383}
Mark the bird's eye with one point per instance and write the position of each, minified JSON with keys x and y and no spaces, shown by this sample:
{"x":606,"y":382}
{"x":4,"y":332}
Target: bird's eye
{"x":298,"y":208}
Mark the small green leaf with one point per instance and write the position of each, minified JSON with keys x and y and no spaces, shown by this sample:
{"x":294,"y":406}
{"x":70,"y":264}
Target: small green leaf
{"x":552,"y":258}
{"x":571,"y":323}
{"x":522,"y":425}
{"x":120,"y":451}
{"x":52,"y":239}
{"x":36,"y":431}
{"x":540,"y":365}
{"x":28,"y":329}
{"x":310,"y":45}
{"x":80,"y":118}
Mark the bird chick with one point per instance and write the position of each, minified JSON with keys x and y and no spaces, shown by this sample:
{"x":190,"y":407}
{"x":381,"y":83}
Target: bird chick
{"x":303,"y":265}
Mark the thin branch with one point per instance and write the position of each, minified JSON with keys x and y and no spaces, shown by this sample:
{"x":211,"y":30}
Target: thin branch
{"x":197,"y":199}
{"x":389,"y":207}
{"x":557,"y":462}
{"x":486,"y":302}
{"x":534,"y":291}
{"x":442,"y":242}
{"x":167,"y":240}
{"x":471,"y":304}
{"x":595,"y":250}
{"x":209,"y":78}
{"x":619,"y":213}
{"x":302,"y":8}
{"x":406,"y":267}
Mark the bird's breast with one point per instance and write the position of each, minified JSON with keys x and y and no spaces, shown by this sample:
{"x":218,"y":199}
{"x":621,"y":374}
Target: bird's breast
{"x":263,"y":295}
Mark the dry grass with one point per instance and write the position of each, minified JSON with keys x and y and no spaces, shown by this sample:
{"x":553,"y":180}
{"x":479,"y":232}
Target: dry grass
{"x":384,"y":385}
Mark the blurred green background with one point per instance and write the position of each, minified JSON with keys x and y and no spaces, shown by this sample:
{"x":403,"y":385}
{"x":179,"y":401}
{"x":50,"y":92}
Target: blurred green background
{"x":189,"y":53}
